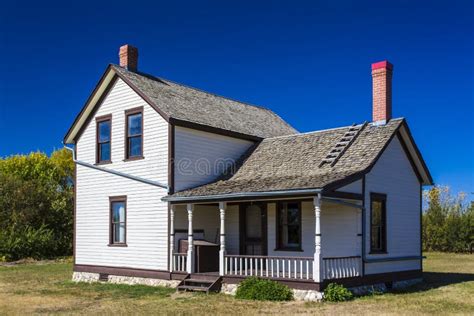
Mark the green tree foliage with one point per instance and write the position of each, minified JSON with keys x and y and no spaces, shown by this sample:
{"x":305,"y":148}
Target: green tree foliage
{"x":448,"y":222}
{"x":36,"y":205}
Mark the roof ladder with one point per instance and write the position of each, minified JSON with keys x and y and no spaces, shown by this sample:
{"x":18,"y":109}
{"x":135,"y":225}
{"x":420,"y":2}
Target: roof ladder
{"x":342,"y":145}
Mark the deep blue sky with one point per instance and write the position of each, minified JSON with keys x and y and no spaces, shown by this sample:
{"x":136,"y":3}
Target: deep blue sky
{"x":307,"y":61}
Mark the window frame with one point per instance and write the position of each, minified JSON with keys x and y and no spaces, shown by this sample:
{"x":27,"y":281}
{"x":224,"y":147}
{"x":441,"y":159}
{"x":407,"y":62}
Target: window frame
{"x":379,"y":197}
{"x":130,"y":112}
{"x":112,"y":200}
{"x":98,"y":120}
{"x":279,"y":246}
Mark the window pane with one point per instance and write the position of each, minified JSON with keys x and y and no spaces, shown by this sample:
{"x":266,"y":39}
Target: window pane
{"x":376,"y":213}
{"x":293,"y":236}
{"x":293,"y":214}
{"x":104,"y":131}
{"x":375,"y":241}
{"x":289,"y":225}
{"x":118,"y":212}
{"x":119,"y":233}
{"x":135,"y":146}
{"x":134,"y":124}
{"x":104,"y":152}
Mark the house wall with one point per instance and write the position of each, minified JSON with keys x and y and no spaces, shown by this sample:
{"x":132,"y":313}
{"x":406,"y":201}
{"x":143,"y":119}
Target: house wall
{"x":147,"y":215}
{"x":393,"y":175}
{"x":338,"y":231}
{"x":354,"y":187}
{"x":200,"y":157}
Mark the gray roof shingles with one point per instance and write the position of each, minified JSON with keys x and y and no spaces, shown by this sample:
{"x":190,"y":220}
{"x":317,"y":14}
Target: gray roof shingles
{"x":192,"y":105}
{"x":291,"y":162}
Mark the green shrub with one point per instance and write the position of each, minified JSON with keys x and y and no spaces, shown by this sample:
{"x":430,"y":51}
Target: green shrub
{"x":336,"y":293}
{"x":27,"y":243}
{"x":263,"y":290}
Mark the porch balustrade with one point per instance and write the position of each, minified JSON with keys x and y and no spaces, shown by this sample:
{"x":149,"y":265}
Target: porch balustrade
{"x":342,"y":267}
{"x":269,"y":267}
{"x":179,"y":262}
{"x":298,"y":268}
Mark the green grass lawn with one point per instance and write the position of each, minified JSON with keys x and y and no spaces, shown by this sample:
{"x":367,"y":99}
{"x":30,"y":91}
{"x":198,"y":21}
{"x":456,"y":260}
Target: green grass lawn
{"x":45,"y":288}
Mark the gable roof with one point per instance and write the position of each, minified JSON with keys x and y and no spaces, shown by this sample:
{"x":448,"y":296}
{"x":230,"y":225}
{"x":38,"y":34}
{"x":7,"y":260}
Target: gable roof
{"x":292,"y":162}
{"x":183,"y":105}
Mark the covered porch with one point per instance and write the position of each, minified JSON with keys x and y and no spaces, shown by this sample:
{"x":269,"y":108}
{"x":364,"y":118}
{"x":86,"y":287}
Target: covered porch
{"x":308,"y":238}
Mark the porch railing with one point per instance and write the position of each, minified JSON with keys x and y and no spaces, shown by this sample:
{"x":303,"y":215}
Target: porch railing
{"x":342,"y":267}
{"x":269,"y":267}
{"x":179,"y":262}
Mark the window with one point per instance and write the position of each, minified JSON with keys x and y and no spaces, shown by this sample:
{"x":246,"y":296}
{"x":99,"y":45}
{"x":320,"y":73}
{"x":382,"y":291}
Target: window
{"x":134,"y":134}
{"x":378,"y":223}
{"x":289,"y":226}
{"x":103,"y":139}
{"x":118,"y":220}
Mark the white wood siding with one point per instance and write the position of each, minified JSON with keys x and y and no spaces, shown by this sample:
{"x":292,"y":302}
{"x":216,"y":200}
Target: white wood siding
{"x":147,"y":215}
{"x":354,"y":187}
{"x":200,"y":157}
{"x":338,"y":231}
{"x":394,"y":176}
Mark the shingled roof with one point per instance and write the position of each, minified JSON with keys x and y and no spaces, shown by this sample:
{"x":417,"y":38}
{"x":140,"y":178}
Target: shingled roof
{"x":188,"y":104}
{"x":292,"y":162}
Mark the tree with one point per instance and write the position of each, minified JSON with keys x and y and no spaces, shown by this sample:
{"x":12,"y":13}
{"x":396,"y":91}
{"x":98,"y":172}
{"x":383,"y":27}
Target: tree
{"x":448,"y":222}
{"x":36,"y":195}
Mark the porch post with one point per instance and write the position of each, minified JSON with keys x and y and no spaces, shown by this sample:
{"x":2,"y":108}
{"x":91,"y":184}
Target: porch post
{"x":222,"y":208}
{"x":317,"y":267}
{"x":172,"y":209}
{"x":190,"y":257}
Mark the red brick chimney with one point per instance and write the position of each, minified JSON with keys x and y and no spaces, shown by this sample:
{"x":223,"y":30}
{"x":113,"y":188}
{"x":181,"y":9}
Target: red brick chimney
{"x":129,"y":57}
{"x":382,"y":92}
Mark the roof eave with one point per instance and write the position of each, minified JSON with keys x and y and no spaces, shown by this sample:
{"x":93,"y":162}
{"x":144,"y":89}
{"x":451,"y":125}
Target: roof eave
{"x":240,"y":195}
{"x":70,"y":136}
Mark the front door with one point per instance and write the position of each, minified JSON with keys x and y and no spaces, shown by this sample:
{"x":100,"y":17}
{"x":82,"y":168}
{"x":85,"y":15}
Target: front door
{"x":253,"y":229}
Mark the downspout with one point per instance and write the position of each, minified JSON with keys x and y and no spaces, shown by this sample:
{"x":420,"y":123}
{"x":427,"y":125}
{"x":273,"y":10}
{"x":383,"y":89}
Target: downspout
{"x":114,"y":172}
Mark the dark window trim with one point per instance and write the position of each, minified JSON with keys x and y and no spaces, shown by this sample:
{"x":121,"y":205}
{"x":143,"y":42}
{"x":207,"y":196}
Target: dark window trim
{"x":279,"y":247}
{"x":100,"y":119}
{"x":137,"y":110}
{"x":112,"y":199}
{"x":380,"y":197}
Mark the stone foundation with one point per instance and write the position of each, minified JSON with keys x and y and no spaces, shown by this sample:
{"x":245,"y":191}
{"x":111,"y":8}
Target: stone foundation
{"x":307,"y":295}
{"x":85,"y":277}
{"x":406,"y":283}
{"x":229,"y":289}
{"x":116,"y":279}
{"x":313,"y":296}
{"x":382,"y":288}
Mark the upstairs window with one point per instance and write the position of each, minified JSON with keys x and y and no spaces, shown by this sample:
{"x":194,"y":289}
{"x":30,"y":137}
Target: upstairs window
{"x":118,"y":221}
{"x":134,"y":134}
{"x":289,"y":226}
{"x":103,"y":139}
{"x":378,"y":223}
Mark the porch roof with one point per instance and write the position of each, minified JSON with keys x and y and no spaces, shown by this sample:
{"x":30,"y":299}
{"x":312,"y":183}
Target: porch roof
{"x":289,"y":164}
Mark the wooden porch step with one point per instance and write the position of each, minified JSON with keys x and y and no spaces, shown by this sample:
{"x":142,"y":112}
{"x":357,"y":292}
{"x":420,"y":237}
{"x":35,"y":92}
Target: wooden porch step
{"x":200,"y":283}
{"x":192,"y":288}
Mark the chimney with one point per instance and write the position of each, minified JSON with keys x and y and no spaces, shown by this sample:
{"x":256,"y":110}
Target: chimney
{"x":129,"y":57}
{"x":382,"y":92}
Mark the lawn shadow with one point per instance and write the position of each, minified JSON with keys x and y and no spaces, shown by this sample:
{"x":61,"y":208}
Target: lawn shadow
{"x":433,"y":280}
